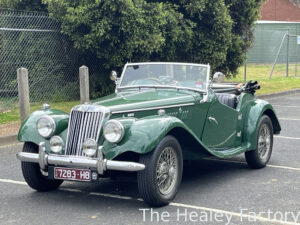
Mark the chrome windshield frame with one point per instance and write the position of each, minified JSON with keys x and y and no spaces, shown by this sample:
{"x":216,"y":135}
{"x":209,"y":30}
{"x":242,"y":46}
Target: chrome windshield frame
{"x":164,"y":86}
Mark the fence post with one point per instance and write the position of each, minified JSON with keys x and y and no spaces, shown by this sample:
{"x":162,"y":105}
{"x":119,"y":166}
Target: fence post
{"x":23,"y":92}
{"x":84,"y":84}
{"x":245,"y":71}
{"x":273,"y":67}
{"x":287,"y":53}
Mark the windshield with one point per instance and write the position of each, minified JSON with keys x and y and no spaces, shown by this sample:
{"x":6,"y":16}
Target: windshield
{"x":181,"y":75}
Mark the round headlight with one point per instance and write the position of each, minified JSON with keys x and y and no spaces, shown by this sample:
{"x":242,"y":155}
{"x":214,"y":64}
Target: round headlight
{"x":56,"y":144}
{"x":113,"y":131}
{"x":45,"y":126}
{"x":89,"y":147}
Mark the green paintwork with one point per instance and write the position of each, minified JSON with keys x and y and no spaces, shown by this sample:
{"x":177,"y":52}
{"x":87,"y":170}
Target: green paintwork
{"x":144,"y":128}
{"x":28,"y":131}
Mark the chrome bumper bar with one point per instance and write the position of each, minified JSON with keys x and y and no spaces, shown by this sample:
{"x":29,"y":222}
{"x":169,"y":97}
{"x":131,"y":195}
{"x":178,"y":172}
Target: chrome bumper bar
{"x":44,"y":159}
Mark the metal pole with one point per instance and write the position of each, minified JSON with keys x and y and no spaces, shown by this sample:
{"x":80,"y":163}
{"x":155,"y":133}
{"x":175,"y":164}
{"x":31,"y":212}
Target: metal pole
{"x":245,"y":72}
{"x":277,"y":56}
{"x":23,"y":92}
{"x":287,"y":53}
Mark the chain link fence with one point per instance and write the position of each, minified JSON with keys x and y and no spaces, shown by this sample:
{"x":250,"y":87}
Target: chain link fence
{"x":33,"y":40}
{"x":275,"y":48}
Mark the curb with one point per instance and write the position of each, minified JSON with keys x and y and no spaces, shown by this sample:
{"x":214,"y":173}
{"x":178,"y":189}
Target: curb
{"x":279,"y":94}
{"x":9,"y":140}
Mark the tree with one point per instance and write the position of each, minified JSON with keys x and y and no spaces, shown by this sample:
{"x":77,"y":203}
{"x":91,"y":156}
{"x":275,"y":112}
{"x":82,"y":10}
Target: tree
{"x":244,"y":14}
{"x":30,"y":5}
{"x":117,"y":31}
{"x":139,"y":30}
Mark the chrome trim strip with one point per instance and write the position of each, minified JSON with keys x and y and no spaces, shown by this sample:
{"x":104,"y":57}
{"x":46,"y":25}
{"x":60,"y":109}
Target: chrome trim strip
{"x":153,"y":108}
{"x":28,"y":157}
{"x":166,"y":63}
{"x":99,"y":164}
{"x":162,"y":87}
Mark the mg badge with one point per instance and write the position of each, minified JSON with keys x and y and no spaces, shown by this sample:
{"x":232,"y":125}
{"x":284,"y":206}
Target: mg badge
{"x":91,"y":108}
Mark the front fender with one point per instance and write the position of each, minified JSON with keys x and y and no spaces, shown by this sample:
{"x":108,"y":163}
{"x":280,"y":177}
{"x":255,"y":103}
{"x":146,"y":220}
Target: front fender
{"x":28,"y":131}
{"x":257,"y":109}
{"x":142,"y":135}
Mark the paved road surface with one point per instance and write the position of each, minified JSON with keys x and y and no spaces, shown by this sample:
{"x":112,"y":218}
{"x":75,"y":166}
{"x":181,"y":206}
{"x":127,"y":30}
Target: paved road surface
{"x":220,"y":192}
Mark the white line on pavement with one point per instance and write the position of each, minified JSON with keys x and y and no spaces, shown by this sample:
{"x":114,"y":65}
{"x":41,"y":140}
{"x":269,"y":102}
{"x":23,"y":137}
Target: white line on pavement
{"x":13,"y":181}
{"x":273,"y":166}
{"x":12,"y":145}
{"x":235,"y":214}
{"x":287,"y":106}
{"x":288,"y":119}
{"x":284,"y":167}
{"x":291,"y":138}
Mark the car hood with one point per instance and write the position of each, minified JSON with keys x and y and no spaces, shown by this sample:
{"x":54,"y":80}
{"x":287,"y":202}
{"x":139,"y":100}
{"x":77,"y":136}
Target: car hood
{"x":145,"y":99}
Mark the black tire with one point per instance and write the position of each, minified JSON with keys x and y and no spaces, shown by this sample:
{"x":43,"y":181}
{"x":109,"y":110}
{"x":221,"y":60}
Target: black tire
{"x":254,"y":158}
{"x":147,"y":178}
{"x":33,"y":174}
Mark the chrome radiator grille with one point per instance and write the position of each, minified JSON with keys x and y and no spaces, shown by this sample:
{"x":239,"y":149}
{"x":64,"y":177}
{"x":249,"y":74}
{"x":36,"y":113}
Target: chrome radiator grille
{"x":82,"y":125}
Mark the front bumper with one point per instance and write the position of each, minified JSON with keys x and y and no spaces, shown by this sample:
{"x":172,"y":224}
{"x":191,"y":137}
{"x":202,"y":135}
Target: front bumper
{"x":101,"y":165}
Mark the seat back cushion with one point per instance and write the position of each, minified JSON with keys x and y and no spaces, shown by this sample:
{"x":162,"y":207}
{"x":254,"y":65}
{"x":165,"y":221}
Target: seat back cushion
{"x":227,"y":99}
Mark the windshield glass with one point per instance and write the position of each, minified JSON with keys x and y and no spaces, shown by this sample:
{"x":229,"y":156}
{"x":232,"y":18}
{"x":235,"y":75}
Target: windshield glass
{"x":166,"y":74}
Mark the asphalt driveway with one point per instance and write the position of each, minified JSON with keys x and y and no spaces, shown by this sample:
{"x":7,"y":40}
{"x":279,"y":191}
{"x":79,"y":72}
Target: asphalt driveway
{"x":212,"y":192}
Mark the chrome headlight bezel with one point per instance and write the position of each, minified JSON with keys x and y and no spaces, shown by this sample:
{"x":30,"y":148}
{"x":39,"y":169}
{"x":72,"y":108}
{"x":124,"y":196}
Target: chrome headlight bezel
{"x":51,"y":123}
{"x":60,"y":141}
{"x":118,"y":128}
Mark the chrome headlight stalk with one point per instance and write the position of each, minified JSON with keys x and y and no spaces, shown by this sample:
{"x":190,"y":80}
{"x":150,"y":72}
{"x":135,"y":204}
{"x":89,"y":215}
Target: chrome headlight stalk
{"x":46,"y":126}
{"x":113,"y":131}
{"x":56,"y":144}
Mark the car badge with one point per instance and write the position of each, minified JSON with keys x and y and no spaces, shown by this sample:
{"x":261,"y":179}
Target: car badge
{"x":91,"y":108}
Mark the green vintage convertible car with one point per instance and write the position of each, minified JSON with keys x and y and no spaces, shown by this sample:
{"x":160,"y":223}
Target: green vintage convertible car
{"x":160,"y":115}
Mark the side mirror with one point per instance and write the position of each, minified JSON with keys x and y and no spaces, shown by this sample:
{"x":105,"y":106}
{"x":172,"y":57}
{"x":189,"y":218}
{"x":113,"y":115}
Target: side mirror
{"x":218,"y":77}
{"x":113,"y":75}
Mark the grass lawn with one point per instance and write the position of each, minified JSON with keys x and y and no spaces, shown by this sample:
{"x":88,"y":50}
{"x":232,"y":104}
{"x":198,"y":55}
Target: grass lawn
{"x":278,"y":82}
{"x":13,"y":115}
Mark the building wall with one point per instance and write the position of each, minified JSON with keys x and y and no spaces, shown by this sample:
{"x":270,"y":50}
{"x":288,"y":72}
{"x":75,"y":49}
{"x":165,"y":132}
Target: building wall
{"x":280,"y":10}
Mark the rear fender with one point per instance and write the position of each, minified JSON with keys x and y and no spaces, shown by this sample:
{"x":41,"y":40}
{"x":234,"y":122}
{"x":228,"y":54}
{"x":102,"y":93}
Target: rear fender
{"x":257,"y":109}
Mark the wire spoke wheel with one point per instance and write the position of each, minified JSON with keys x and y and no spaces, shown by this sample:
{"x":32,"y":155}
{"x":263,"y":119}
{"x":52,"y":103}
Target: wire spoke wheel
{"x":158,"y":183}
{"x":264,"y":142}
{"x":167,"y":171}
{"x":260,"y":157}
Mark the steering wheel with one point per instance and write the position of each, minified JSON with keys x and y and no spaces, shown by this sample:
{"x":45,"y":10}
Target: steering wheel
{"x":154,"y":79}
{"x":147,"y":81}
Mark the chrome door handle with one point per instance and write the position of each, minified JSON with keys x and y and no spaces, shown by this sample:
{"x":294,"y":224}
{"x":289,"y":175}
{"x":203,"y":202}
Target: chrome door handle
{"x":211,"y":119}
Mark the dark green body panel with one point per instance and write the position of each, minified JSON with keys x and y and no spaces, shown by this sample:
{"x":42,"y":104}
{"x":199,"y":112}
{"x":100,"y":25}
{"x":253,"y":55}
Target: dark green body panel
{"x":144,"y":128}
{"x":28,"y":132}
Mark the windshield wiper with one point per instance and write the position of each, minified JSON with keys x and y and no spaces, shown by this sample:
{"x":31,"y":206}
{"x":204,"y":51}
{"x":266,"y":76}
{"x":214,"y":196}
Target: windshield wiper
{"x":161,"y":87}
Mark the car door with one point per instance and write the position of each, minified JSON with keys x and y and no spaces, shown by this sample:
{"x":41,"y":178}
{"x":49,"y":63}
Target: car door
{"x":220,"y":130}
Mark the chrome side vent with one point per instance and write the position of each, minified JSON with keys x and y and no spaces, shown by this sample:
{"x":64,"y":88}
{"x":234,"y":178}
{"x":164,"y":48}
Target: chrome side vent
{"x":82,"y":125}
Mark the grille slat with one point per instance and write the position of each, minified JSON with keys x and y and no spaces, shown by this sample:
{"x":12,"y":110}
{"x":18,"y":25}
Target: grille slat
{"x":82,"y":125}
